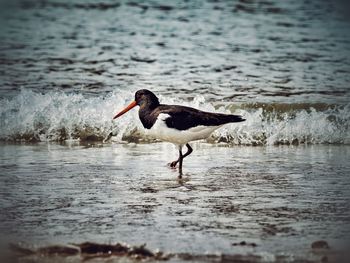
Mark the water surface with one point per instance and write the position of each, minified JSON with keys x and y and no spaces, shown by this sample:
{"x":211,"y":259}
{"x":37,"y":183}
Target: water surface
{"x":280,"y":198}
{"x":66,"y":67}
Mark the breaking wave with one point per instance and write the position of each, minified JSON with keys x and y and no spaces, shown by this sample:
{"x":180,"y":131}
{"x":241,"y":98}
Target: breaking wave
{"x":58,"y":116}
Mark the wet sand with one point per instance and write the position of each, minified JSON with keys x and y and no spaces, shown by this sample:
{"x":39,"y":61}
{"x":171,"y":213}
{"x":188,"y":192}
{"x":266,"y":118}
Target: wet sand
{"x":278,"y":200}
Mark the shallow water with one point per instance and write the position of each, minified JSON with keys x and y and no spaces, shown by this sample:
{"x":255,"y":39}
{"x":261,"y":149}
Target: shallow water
{"x":66,"y":67}
{"x":280,"y":198}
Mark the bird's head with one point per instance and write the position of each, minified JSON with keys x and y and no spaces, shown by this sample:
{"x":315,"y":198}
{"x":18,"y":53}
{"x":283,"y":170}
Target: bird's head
{"x":143,"y":98}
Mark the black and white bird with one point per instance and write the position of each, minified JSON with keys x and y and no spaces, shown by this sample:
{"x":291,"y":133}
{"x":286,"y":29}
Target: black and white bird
{"x":175,"y":123}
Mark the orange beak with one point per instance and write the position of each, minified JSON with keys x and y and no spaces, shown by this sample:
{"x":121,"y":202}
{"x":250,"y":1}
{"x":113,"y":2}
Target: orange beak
{"x":129,"y":107}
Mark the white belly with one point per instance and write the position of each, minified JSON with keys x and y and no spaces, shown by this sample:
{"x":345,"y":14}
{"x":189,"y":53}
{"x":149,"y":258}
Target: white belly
{"x":160,"y":131}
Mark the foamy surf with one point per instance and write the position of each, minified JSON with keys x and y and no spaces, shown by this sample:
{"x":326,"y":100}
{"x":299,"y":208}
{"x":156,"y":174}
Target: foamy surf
{"x":59,"y":116}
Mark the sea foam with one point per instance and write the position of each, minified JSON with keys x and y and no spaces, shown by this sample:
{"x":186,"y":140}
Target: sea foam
{"x":59,"y":116}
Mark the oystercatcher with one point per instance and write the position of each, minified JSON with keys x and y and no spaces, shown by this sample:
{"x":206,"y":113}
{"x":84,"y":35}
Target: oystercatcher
{"x":175,"y":123}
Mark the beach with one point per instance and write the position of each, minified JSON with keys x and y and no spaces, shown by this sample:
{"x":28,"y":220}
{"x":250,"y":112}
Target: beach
{"x":274,"y":188}
{"x":282,"y":199}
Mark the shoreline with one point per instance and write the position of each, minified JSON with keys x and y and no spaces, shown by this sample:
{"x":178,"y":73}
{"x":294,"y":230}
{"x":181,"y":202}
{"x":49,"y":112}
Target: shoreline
{"x":319,"y":251}
{"x":289,"y":195}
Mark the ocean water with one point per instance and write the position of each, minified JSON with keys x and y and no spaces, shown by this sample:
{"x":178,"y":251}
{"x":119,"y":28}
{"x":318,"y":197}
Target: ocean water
{"x":280,"y":179}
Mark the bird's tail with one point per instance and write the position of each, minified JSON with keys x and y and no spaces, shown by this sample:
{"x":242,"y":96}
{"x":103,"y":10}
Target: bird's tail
{"x":235,"y":118}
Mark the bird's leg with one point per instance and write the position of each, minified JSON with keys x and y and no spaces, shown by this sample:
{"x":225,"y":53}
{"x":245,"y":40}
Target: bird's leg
{"x":181,"y":157}
{"x":189,"y":151}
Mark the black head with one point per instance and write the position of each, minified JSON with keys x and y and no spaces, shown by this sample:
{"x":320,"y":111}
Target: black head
{"x":144,"y":97}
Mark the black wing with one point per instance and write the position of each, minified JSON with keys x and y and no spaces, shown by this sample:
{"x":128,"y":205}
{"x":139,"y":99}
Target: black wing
{"x":183,"y":118}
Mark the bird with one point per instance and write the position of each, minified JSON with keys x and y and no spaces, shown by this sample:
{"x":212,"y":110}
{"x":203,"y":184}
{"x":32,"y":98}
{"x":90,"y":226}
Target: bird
{"x":176,"y":123}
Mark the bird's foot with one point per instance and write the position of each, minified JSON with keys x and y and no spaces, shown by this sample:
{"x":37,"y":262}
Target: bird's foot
{"x":173,"y":164}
